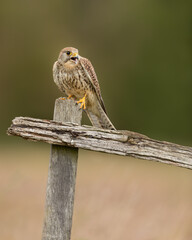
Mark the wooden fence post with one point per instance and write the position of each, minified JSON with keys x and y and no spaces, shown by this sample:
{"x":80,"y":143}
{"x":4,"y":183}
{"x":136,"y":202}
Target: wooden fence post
{"x":61,"y":179}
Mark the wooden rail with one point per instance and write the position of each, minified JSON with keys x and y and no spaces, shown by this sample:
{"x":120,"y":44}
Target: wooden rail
{"x":66,"y":135}
{"x":124,"y":143}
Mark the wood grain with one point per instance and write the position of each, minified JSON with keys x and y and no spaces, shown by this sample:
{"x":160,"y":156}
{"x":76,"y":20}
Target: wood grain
{"x":61,"y":179}
{"x":124,"y":143}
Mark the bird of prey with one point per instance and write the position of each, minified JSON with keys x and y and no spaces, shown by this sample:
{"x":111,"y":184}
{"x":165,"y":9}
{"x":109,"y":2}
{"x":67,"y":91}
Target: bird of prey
{"x":75,"y":76}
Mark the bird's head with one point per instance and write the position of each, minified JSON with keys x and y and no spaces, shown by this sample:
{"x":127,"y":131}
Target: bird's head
{"x":69,"y":55}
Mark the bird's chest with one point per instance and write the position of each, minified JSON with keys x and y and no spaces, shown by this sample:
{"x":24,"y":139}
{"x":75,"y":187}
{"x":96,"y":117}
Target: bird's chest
{"x":73,"y":82}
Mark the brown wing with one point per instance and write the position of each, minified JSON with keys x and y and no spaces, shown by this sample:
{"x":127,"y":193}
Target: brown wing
{"x":90,"y":72}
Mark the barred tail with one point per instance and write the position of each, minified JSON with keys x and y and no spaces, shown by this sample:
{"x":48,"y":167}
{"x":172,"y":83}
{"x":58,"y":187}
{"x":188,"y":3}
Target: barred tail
{"x":102,"y":121}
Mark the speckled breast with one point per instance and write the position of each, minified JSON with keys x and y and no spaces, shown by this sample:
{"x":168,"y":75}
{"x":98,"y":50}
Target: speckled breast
{"x":72,"y":82}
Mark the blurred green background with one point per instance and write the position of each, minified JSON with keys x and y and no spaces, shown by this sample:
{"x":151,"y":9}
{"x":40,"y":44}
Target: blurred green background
{"x":142,"y":54}
{"x":141,"y":51}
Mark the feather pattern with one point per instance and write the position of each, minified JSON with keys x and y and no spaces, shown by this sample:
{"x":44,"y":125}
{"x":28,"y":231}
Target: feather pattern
{"x":88,"y":68}
{"x":76,"y":77}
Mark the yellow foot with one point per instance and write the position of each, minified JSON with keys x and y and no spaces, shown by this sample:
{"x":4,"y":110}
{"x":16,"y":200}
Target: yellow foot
{"x":82,"y":101}
{"x":63,"y":98}
{"x":70,"y":96}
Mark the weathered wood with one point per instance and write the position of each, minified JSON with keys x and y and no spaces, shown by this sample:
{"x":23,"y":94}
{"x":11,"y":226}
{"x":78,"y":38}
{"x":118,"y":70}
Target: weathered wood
{"x":61,"y":179}
{"x":116,"y":142}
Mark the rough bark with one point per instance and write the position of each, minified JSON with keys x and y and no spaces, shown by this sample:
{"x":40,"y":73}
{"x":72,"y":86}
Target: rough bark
{"x":61,"y":179}
{"x":116,"y":142}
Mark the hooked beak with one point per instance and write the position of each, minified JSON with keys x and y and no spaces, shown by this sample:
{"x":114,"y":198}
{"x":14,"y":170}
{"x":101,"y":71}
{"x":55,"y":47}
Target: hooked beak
{"x":74,"y":57}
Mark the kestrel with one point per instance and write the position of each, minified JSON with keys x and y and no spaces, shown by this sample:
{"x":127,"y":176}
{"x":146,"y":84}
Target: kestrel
{"x":75,"y":76}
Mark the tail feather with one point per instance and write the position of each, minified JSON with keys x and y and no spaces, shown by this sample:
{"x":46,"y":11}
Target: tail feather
{"x":101,"y":121}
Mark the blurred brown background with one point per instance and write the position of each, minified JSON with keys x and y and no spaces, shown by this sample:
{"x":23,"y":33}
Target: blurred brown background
{"x":141,"y":51}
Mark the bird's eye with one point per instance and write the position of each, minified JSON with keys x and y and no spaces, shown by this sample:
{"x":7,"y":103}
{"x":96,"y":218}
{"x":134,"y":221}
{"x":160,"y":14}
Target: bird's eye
{"x":68,"y":53}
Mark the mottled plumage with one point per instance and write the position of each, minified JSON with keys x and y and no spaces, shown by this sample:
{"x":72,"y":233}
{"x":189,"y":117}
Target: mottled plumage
{"x":75,"y":76}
